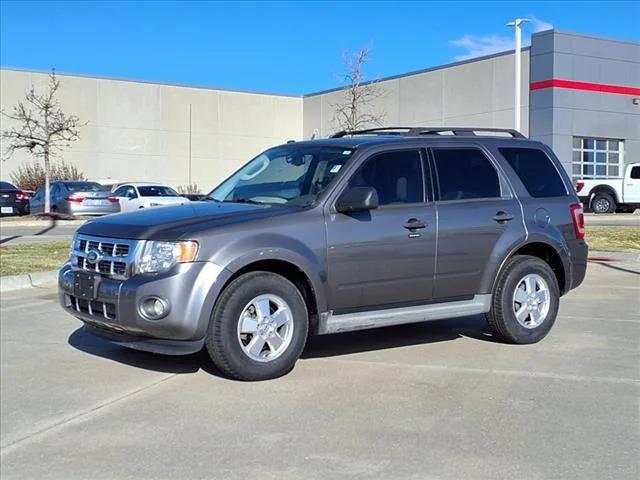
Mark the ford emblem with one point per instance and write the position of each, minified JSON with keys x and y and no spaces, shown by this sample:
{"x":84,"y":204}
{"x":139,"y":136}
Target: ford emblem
{"x":94,"y":256}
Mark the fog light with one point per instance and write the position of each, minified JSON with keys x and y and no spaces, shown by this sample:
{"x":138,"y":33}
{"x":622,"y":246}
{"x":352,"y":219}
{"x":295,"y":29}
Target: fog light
{"x":154,"y":308}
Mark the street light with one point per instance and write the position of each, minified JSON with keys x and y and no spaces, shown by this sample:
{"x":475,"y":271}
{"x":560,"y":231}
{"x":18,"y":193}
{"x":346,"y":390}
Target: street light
{"x":517,"y":23}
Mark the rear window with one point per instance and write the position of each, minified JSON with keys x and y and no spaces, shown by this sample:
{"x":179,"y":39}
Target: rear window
{"x":465,"y":174}
{"x":536,"y":171}
{"x":84,"y":187}
{"x":7,"y":186}
{"x":157,"y":191}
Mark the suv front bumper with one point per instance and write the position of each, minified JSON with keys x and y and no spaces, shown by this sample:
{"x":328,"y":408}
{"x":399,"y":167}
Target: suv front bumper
{"x":190,"y":290}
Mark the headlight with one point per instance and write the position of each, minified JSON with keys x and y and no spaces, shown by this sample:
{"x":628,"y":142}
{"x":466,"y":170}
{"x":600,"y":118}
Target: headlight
{"x":161,"y":256}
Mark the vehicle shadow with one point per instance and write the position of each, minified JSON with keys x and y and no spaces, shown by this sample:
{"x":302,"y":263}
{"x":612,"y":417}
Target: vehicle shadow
{"x":398,"y":336}
{"x":317,"y":347}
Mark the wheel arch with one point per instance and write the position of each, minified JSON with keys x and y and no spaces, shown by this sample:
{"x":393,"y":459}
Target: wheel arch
{"x":547,"y":253}
{"x":603,"y":188}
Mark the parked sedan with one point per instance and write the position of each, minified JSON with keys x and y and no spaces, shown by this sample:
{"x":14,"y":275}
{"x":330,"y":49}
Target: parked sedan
{"x":133,"y":196}
{"x":13,"y":201}
{"x":77,"y":198}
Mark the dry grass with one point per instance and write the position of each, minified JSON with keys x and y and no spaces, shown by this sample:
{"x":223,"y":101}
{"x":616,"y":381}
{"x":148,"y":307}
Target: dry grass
{"x":33,"y":257}
{"x":613,"y":239}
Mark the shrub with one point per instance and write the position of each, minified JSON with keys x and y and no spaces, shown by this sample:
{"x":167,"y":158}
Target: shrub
{"x":191,"y":188}
{"x":30,"y":176}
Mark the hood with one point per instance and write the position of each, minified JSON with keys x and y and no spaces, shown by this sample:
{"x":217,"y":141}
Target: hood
{"x":179,"y":221}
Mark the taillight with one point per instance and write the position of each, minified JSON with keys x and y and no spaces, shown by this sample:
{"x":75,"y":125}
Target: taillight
{"x":75,"y":198}
{"x":113,"y":199}
{"x":579,"y":186}
{"x":577,"y":215}
{"x":22,"y":196}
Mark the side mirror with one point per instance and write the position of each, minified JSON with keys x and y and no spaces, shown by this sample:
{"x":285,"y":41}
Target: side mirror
{"x":357,"y":199}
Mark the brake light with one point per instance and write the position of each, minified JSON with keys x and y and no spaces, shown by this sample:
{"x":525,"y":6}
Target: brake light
{"x":75,"y":198}
{"x":22,"y":196}
{"x":577,"y":215}
{"x":579,"y":186}
{"x":113,"y":199}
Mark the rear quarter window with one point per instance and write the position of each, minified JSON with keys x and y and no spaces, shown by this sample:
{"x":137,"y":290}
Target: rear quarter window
{"x":536,"y":171}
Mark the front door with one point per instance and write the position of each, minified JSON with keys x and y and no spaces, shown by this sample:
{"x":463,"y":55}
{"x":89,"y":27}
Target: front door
{"x":384,"y":257}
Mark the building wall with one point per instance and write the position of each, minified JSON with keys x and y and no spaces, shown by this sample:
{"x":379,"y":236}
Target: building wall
{"x":140,"y":131}
{"x":559,"y":114}
{"x":471,"y":93}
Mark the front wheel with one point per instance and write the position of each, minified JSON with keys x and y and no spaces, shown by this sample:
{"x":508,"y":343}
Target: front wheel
{"x":258,"y":327}
{"x":525,"y":301}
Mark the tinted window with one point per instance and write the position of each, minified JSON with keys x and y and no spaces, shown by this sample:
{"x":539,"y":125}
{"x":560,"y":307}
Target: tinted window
{"x":7,"y":186}
{"x":635,"y":172}
{"x":396,"y":176}
{"x":536,"y":172}
{"x":84,"y":187}
{"x":465,"y":173}
{"x":157,"y":191}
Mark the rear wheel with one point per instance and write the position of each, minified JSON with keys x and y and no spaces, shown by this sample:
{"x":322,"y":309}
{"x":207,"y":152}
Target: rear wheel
{"x":603,"y":203}
{"x":525,"y":301}
{"x":258,"y":327}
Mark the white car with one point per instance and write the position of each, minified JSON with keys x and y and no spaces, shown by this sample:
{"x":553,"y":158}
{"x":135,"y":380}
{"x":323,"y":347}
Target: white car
{"x":611,"y":194}
{"x":133,"y":196}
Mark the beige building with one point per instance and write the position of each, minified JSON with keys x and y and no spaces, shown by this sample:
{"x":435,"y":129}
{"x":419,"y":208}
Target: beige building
{"x":170,"y":133}
{"x":151,"y":132}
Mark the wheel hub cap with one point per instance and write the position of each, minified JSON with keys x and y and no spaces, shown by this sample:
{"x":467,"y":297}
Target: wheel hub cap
{"x":531,"y":301}
{"x":265,"y":328}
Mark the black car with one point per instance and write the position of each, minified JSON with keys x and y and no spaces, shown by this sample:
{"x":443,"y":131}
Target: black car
{"x":13,"y":201}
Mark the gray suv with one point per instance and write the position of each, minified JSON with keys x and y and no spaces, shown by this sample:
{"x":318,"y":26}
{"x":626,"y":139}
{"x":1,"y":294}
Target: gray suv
{"x":365,"y":229}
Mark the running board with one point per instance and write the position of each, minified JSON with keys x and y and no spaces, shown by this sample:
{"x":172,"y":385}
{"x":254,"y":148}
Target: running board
{"x":348,"y":322}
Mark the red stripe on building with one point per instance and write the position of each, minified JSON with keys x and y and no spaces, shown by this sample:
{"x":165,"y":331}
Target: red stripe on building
{"x":585,"y":86}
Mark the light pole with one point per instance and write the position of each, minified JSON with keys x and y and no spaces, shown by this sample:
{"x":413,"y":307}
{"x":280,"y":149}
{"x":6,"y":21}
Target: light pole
{"x":517,"y":24}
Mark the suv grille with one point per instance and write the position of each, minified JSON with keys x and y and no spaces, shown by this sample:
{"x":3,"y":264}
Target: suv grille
{"x":114,"y":256}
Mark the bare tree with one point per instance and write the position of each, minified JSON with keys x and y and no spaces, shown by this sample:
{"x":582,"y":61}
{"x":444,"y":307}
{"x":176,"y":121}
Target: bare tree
{"x":40,"y":126}
{"x":356,"y":110}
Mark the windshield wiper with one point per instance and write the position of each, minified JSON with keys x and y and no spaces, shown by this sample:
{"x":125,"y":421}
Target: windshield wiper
{"x":243,"y":200}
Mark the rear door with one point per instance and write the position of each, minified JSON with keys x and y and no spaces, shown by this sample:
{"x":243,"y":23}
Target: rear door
{"x":375,"y":258}
{"x":632,"y":185}
{"x":476,"y":212}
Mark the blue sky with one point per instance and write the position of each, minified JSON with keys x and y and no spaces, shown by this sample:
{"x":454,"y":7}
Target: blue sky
{"x":285,"y":47}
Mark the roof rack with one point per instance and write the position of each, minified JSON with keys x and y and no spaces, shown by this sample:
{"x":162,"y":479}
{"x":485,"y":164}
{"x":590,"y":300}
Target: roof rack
{"x":416,"y":131}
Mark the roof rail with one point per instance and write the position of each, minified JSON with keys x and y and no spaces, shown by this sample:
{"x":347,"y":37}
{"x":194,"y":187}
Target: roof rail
{"x":416,"y":131}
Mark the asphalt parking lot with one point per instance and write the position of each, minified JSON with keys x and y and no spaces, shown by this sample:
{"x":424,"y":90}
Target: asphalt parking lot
{"x":437,"y":400}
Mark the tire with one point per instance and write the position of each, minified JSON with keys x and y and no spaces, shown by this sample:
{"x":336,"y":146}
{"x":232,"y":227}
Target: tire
{"x":533,"y":326}
{"x":603,"y":203}
{"x":233,"y":352}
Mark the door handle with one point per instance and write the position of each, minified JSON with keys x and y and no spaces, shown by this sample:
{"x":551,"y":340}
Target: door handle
{"x":414,"y":224}
{"x":502,"y":217}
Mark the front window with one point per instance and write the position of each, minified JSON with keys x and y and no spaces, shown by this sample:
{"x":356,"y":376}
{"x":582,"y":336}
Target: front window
{"x":597,"y":158}
{"x":291,"y":174}
{"x":157,"y":191}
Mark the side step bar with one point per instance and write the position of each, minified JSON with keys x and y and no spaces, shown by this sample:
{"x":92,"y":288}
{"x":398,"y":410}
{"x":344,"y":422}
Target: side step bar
{"x":348,"y":322}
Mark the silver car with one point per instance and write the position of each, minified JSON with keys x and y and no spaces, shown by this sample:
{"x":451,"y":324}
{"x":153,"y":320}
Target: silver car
{"x":76,"y":198}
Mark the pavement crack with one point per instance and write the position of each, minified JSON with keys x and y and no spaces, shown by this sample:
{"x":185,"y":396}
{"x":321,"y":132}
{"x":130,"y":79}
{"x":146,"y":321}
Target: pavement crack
{"x":7,"y":448}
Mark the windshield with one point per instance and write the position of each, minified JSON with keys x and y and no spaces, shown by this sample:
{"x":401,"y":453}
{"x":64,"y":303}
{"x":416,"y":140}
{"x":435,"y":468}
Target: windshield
{"x":7,"y":186}
{"x":84,"y":187}
{"x":291,"y":174}
{"x":157,"y":191}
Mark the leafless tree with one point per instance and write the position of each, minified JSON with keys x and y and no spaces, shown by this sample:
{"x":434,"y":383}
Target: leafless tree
{"x":39,"y":126}
{"x":356,"y":110}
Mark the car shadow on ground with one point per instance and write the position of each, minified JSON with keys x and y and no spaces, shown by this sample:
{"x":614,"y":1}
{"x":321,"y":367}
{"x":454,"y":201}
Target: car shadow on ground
{"x":324,"y":346}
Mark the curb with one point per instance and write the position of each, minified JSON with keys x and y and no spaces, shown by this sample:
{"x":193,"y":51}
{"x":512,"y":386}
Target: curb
{"x":41,"y":223}
{"x":11,"y":283}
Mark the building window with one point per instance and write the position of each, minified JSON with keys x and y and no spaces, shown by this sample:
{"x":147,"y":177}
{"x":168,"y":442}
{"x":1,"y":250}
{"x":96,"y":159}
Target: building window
{"x":597,"y":157}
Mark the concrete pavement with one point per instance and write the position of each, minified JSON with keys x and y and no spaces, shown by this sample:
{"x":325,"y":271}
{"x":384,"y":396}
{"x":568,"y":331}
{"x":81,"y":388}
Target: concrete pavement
{"x":613,"y":220}
{"x":12,"y":233}
{"x":437,"y":400}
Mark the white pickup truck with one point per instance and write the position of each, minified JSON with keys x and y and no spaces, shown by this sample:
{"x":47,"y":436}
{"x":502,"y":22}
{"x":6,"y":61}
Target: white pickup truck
{"x":611,"y":194}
